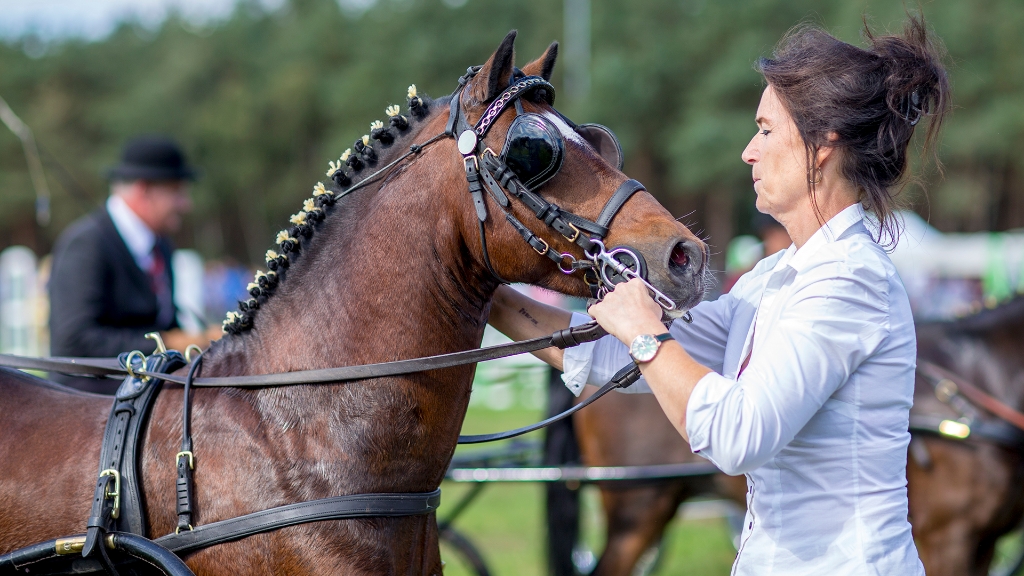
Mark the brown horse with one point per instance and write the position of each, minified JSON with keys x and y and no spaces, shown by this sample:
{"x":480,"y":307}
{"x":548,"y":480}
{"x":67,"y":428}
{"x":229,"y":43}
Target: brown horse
{"x":394,"y":271}
{"x":963,"y":494}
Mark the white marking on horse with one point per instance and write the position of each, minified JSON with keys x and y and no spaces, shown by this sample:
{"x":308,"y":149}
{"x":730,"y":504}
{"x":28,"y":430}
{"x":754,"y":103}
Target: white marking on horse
{"x":564,"y":129}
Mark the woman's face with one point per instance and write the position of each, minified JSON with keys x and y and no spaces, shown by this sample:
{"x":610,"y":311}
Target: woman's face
{"x":778,"y":160}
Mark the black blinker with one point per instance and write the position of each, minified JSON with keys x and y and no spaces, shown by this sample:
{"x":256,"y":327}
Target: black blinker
{"x":533,"y":150}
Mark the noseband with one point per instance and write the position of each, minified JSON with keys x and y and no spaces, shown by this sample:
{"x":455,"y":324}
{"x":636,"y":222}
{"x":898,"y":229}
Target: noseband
{"x":602,"y":268}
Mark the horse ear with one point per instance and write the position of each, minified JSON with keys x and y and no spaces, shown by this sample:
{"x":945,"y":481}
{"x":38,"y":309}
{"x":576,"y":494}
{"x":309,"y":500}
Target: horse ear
{"x":495,"y":74}
{"x":544,"y":65}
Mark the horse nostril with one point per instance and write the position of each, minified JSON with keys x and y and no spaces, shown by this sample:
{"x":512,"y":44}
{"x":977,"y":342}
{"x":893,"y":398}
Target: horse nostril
{"x":679,"y":256}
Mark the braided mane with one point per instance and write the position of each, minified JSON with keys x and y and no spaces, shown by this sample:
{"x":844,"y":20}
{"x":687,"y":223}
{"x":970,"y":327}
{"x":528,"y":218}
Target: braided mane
{"x":344,"y":174}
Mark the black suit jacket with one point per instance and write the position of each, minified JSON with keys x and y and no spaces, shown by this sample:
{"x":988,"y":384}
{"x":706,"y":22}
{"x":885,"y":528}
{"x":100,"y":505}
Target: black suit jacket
{"x":101,"y":302}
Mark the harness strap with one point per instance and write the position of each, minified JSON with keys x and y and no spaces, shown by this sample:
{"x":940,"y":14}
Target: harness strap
{"x":508,"y":96}
{"x":578,"y":334}
{"x":614,"y":204}
{"x":624,"y":378}
{"x":335,"y":508}
{"x":567,"y":224}
{"x":186,"y":460}
{"x":487,"y":254}
{"x":117,"y":502}
{"x":535,"y":242}
{"x":476,"y":189}
{"x":494,"y":188}
{"x":66,"y":365}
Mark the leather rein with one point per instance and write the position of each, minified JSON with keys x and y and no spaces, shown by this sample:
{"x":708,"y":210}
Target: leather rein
{"x":562,"y":339}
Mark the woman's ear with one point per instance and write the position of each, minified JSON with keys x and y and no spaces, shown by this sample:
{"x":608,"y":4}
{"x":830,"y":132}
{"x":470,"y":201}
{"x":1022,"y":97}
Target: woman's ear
{"x":827,"y":151}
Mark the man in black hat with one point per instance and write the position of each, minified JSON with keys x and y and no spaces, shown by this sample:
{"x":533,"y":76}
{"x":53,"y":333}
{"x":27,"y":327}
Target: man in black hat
{"x":112,"y":280}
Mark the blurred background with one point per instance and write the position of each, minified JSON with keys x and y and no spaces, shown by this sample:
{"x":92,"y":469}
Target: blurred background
{"x":262,"y":93}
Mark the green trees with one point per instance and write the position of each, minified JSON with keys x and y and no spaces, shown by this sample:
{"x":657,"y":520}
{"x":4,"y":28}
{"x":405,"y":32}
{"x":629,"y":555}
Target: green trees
{"x":264,"y":99}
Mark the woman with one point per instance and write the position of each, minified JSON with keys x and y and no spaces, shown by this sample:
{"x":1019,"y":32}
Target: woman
{"x":801,"y":377}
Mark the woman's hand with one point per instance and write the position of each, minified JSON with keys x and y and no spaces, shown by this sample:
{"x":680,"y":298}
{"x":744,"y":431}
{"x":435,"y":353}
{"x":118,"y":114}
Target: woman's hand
{"x":628,"y":311}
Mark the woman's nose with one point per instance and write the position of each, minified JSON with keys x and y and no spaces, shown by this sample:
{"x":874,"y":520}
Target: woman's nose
{"x":750,"y":153}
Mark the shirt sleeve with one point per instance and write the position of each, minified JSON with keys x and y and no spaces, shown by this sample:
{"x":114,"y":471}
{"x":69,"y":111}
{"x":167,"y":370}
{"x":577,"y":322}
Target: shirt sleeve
{"x":596,"y":362}
{"x":826,"y":330}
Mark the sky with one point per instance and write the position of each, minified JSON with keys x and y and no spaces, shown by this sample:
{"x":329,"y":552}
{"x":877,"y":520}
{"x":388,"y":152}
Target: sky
{"x":95,"y":19}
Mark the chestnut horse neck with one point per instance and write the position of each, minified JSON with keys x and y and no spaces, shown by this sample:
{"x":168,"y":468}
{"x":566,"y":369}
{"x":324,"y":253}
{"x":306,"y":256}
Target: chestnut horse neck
{"x":388,"y":261}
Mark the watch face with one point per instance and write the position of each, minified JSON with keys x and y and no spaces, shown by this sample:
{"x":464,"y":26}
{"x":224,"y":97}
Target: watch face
{"x":644,"y":347}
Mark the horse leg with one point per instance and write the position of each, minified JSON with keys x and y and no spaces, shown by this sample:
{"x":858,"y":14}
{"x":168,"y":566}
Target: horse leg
{"x":637,"y":517}
{"x":632,"y":430}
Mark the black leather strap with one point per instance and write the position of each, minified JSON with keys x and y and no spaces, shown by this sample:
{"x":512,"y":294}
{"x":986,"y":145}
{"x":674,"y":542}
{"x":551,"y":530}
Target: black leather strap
{"x":336,"y":508}
{"x":624,"y":378}
{"x":614,"y":204}
{"x":365,"y":371}
{"x":494,"y":189}
{"x":186,"y":461}
{"x":535,"y":242}
{"x":476,"y":189}
{"x":341,"y":374}
{"x":65,"y":365}
{"x":117,"y":502}
{"x":508,"y":96}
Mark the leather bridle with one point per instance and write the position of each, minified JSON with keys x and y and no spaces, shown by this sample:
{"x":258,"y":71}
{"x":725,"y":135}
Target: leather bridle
{"x":486,"y":170}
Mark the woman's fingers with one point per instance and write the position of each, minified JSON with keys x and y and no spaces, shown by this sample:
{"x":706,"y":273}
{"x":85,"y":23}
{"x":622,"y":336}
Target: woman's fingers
{"x":628,"y":310}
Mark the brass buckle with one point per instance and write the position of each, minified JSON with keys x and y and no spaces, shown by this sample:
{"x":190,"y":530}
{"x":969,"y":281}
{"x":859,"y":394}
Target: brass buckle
{"x":543,"y":252}
{"x":466,"y":159}
{"x":178,"y":529}
{"x":574,"y":229}
{"x":191,"y":459}
{"x":72,"y":545}
{"x":116,"y":494}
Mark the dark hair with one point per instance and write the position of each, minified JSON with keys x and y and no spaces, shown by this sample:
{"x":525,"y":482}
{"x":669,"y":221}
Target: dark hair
{"x":871,"y":99}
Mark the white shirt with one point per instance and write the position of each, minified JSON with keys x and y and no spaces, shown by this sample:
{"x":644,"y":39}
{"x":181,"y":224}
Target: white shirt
{"x":818,"y":419}
{"x":137,"y":236}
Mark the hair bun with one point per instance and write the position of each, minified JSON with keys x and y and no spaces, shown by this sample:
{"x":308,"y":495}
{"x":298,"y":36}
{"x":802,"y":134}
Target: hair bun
{"x":916,"y":83}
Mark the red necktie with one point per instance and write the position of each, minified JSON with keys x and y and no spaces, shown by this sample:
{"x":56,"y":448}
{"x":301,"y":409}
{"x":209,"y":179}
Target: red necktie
{"x":159,"y":282}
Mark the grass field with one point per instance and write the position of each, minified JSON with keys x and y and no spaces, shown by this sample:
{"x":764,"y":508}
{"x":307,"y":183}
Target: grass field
{"x":506,"y":521}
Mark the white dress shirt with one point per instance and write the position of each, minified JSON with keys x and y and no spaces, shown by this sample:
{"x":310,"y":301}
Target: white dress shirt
{"x":141,"y":242}
{"x":817,"y":421}
{"x":136,"y":235}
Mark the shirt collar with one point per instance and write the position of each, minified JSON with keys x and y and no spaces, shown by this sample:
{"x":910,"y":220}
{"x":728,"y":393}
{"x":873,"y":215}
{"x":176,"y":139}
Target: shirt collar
{"x":827,"y":234}
{"x":137,"y":236}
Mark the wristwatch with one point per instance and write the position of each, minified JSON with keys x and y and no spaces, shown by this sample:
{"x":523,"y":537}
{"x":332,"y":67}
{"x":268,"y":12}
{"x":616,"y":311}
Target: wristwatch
{"x":645,"y":346}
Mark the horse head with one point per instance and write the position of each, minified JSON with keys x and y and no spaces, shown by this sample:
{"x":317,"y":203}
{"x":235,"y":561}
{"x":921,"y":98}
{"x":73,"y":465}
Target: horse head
{"x":550,"y":195}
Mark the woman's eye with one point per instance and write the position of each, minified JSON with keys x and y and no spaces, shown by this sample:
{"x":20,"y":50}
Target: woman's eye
{"x":765,"y":131}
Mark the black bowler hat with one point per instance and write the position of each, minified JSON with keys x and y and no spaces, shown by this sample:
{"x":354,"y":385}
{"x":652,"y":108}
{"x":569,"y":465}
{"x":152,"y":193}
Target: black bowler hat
{"x":152,"y":158}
